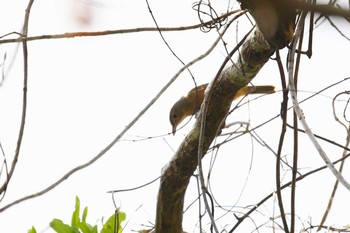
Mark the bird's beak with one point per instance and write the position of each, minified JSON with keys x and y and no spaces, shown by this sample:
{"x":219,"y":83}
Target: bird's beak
{"x":174,"y":130}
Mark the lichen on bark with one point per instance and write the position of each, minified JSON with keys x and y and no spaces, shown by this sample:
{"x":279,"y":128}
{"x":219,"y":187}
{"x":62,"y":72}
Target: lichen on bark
{"x":175,"y":177}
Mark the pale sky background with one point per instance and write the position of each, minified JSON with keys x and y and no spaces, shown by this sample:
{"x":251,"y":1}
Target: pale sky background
{"x":82,"y":92}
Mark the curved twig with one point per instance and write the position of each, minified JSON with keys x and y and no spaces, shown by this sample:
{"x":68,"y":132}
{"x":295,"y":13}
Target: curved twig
{"x":246,"y":215}
{"x":24,"y":99}
{"x":335,"y":114}
{"x":111,"y":144}
{"x":299,"y":111}
{"x":204,"y":110}
{"x":335,"y":186}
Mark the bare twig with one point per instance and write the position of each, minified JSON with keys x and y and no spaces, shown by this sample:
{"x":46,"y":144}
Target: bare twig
{"x":111,"y":144}
{"x":109,"y":32}
{"x":276,"y":116}
{"x":134,"y":188}
{"x":24,"y":99}
{"x":256,"y":206}
{"x":334,"y":111}
{"x":335,"y":187}
{"x":204,"y":109}
{"x":4,"y":168}
{"x":299,"y":111}
{"x":278,"y":162}
{"x":295,"y":140}
{"x":325,"y":9}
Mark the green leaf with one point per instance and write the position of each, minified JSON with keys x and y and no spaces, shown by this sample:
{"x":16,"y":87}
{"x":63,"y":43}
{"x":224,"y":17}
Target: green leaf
{"x":81,"y":226}
{"x":32,"y":230}
{"x":94,"y":229}
{"x":60,"y":227}
{"x":122,"y":216}
{"x":76,"y":212}
{"x":85,"y":227}
{"x":108,"y":227}
{"x":85,"y":212}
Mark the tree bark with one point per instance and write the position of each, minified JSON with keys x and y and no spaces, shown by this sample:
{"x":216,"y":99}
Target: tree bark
{"x":255,"y":52}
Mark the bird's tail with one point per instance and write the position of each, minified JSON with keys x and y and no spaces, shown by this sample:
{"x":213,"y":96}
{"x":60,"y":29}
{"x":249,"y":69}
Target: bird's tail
{"x":264,"y":89}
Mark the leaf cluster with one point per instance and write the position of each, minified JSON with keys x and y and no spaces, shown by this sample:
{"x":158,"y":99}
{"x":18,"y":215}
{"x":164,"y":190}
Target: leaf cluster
{"x":80,"y":225}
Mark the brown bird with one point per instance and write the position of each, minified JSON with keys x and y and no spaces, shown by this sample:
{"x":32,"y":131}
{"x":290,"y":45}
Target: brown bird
{"x":189,"y":105}
{"x":275,"y":19}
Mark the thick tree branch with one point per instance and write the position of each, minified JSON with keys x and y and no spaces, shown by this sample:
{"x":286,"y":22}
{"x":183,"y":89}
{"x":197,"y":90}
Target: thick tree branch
{"x":254,"y":53}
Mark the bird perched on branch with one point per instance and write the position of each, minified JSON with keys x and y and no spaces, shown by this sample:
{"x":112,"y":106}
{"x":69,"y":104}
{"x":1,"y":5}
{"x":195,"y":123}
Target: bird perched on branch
{"x":275,"y":19}
{"x":189,"y":105}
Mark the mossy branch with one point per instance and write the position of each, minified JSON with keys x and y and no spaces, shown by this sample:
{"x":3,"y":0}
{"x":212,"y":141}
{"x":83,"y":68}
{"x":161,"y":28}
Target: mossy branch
{"x":254,"y":53}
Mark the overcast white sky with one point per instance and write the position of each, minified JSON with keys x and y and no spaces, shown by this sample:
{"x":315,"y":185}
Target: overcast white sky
{"x":83,"y":91}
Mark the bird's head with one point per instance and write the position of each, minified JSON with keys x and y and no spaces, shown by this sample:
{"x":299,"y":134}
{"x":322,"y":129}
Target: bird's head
{"x":178,"y":113}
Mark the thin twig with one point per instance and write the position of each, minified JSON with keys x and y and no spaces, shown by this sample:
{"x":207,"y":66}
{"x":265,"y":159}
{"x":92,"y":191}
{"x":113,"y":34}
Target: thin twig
{"x":256,"y":206}
{"x":335,"y":187}
{"x":204,"y":109}
{"x":278,"y":162}
{"x":134,"y":188}
{"x":311,"y":32}
{"x":336,"y":118}
{"x":299,"y":111}
{"x":295,"y":137}
{"x":24,"y":98}
{"x":111,"y":144}
{"x":289,"y":108}
{"x":66,"y":35}
{"x":284,"y":109}
{"x":4,"y":168}
{"x":336,"y":28}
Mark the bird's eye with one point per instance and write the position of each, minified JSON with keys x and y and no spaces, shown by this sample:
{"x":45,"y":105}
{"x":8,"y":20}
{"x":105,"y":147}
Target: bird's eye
{"x":175,"y":115}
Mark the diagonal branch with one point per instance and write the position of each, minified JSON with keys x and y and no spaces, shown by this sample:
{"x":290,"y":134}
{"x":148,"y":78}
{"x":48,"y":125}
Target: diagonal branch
{"x":255,"y":52}
{"x":117,"y":138}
